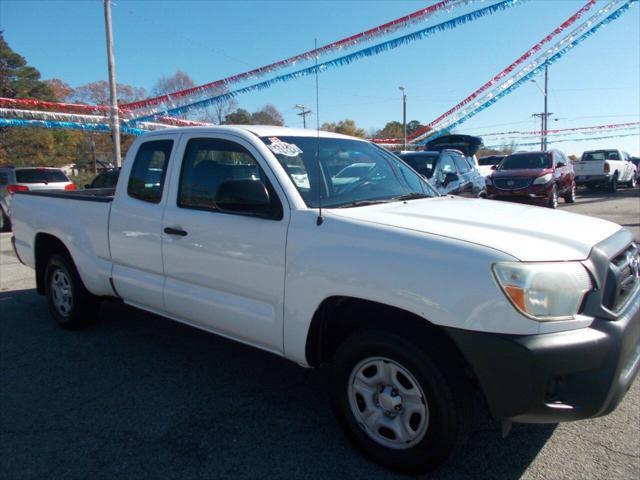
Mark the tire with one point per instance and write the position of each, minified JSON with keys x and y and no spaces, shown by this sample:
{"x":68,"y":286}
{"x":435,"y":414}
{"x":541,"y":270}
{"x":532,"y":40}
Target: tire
{"x":553,"y":200}
{"x":5,"y":223}
{"x":632,"y":183}
{"x":70,"y":303}
{"x":613,"y":184}
{"x":437,"y":425}
{"x":571,"y":196}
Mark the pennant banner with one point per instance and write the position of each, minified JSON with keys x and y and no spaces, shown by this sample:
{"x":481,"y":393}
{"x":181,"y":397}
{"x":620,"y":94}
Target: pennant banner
{"x":613,"y":126}
{"x":52,"y":124}
{"x":532,"y":51}
{"x":579,"y":139}
{"x":536,"y":67}
{"x":384,"y":29}
{"x":345,"y":60}
{"x":552,"y":55}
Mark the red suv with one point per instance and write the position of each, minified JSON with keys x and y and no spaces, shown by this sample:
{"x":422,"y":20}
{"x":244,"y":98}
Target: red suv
{"x":535,"y":177}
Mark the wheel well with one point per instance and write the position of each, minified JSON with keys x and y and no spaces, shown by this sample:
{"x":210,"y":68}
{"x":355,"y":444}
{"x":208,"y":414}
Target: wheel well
{"x":339,"y":317}
{"x":46,"y":246}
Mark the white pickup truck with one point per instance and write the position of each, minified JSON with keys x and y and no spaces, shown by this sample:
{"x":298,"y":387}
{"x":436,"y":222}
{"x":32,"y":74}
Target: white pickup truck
{"x":410,"y":298}
{"x":605,"y":167}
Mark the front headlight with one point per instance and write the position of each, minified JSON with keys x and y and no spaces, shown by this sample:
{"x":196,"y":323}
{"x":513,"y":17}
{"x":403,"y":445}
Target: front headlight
{"x":544,"y":291}
{"x":543,"y":179}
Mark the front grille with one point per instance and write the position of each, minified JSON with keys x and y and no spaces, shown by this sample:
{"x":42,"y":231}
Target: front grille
{"x":623,"y":278}
{"x":512,"y":183}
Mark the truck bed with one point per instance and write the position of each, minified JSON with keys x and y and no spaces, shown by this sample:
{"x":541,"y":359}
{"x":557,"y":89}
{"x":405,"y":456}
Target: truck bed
{"x":91,"y":195}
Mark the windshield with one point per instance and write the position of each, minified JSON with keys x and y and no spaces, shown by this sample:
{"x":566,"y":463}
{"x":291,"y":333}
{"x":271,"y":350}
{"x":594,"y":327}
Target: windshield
{"x":337,"y":172}
{"x":523,"y":161}
{"x":421,"y":162}
{"x":600,"y":155}
{"x":40,"y":175}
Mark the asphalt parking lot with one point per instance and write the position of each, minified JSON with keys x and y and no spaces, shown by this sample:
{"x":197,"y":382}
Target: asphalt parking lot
{"x":138,"y":396}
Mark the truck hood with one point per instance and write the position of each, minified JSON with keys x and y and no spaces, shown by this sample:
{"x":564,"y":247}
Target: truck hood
{"x":525,"y":232}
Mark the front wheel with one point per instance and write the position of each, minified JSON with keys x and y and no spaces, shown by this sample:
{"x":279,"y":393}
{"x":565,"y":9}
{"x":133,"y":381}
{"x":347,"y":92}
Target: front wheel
{"x":553,"y":199}
{"x":5,"y":225}
{"x":398,"y":405}
{"x":632,"y":183}
{"x":70,"y":303}
{"x":570,"y":197}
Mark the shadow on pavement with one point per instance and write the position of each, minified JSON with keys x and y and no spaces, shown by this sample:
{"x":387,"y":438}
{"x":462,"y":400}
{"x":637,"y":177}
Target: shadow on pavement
{"x":596,"y":196}
{"x":138,"y":395}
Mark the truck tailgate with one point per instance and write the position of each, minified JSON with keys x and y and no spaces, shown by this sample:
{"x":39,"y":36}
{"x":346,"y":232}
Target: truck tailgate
{"x":589,"y":168}
{"x":80,"y":222}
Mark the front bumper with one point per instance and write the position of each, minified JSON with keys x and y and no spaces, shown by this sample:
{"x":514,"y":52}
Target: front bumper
{"x":532,"y":193}
{"x":556,"y":377}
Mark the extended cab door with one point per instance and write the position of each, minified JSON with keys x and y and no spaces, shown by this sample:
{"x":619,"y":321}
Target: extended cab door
{"x":224,"y":262}
{"x":135,"y":223}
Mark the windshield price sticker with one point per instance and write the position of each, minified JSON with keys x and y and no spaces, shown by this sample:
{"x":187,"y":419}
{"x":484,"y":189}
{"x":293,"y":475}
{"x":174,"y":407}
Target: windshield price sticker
{"x":279,"y":147}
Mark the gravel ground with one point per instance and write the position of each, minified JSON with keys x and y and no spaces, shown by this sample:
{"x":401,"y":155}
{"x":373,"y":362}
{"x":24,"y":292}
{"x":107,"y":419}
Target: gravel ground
{"x":138,"y":396}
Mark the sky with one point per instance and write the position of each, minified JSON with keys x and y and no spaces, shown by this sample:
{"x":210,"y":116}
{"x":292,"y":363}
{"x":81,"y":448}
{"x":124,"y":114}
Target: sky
{"x":596,"y":83}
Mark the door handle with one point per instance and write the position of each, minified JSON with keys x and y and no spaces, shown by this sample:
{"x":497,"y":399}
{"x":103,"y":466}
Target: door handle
{"x":175,"y":231}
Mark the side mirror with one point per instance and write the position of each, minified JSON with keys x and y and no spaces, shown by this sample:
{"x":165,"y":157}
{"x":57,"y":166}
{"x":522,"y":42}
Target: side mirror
{"x":450,"y":177}
{"x":248,"y":197}
{"x":560,"y":165}
{"x":494,"y":167}
{"x":87,"y":185}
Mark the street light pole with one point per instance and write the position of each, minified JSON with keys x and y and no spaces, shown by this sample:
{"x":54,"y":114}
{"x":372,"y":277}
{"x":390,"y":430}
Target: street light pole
{"x":404,"y":118}
{"x":115,"y":121}
{"x":546,"y":114}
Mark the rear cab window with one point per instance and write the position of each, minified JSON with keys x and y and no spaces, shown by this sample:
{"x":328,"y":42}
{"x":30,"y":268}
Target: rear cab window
{"x":146,"y":179}
{"x":600,"y":155}
{"x":40,"y":175}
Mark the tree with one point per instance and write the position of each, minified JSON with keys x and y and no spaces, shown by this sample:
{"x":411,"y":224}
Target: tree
{"x":97,"y":93}
{"x":17,"y":79}
{"x":61,"y":90}
{"x":413,"y":126}
{"x":267,"y":115}
{"x":239,"y":117}
{"x":174,"y":83}
{"x":182,"y":81}
{"x":391,"y":130}
{"x":345,"y":127}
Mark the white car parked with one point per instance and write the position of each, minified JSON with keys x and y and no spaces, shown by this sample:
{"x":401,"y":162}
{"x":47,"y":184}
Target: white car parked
{"x":412,"y":299}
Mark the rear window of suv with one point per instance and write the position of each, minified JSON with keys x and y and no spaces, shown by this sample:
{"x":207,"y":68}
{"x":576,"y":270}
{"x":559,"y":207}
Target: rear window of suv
{"x":40,"y":175}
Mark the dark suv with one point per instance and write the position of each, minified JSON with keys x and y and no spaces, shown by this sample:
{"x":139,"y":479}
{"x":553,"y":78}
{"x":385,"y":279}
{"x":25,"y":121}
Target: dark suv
{"x":448,"y":171}
{"x":536,"y":177}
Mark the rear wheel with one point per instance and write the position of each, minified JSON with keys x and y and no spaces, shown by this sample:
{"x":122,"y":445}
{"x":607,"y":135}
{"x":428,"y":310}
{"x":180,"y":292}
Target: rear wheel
{"x":70,"y":303}
{"x":613,"y":184}
{"x":401,"y":407}
{"x":570,"y":197}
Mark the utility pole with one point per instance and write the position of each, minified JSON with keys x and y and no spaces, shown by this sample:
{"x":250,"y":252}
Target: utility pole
{"x":115,"y":121}
{"x":404,"y":118}
{"x":304,"y":111}
{"x":544,"y":116}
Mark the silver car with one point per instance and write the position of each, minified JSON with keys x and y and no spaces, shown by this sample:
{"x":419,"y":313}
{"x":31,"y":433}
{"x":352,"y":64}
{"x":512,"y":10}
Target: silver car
{"x":24,"y":179}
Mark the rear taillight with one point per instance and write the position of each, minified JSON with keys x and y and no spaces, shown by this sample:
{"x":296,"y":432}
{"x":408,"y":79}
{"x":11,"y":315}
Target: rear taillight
{"x":17,"y":188}
{"x":607,"y":167}
{"x":71,"y":186}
